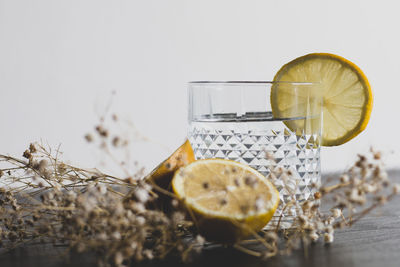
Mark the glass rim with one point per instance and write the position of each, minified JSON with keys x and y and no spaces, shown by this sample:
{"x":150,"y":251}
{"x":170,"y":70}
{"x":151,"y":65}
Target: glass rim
{"x":249,"y":82}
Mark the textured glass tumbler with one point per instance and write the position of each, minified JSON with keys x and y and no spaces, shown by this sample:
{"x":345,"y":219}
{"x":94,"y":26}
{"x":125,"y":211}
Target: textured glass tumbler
{"x":267,"y":125}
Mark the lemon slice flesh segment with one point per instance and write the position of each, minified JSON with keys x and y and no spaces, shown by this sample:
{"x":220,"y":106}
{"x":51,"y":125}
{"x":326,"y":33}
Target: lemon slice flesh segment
{"x":228,"y":200}
{"x":346,"y":92}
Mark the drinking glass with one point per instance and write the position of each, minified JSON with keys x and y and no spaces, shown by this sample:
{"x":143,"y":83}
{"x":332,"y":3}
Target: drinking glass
{"x":244,"y":122}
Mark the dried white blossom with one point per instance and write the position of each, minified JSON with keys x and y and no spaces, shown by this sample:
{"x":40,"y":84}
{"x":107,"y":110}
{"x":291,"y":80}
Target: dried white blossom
{"x":102,"y":189}
{"x":328,"y":238}
{"x":336,"y":213}
{"x":200,"y":240}
{"x":140,"y":220}
{"x":142,"y":195}
{"x":118,"y":258}
{"x":116,"y":235}
{"x":383,"y":175}
{"x":396,"y":188}
{"x":344,"y":178}
{"x":148,"y":254}
{"x":314,"y":236}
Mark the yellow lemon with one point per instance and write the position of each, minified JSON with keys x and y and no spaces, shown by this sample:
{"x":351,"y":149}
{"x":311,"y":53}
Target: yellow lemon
{"x":346,"y":92}
{"x":227,"y":200}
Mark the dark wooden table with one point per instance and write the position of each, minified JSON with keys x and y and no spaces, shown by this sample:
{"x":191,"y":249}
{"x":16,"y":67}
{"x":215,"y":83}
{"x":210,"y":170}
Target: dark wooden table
{"x":373,"y":241}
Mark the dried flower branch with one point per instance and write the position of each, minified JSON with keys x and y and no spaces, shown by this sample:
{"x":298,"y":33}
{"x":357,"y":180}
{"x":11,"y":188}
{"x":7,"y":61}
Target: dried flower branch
{"x":44,"y":199}
{"x":356,"y":193}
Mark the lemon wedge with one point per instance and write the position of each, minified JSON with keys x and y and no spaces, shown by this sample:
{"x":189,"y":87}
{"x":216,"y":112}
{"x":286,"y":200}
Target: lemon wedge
{"x":163,"y":173}
{"x":346,"y":92}
{"x":227,"y":200}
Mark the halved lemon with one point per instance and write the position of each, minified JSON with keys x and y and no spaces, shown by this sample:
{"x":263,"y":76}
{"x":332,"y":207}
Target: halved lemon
{"x":346,"y":92}
{"x":227,"y":200}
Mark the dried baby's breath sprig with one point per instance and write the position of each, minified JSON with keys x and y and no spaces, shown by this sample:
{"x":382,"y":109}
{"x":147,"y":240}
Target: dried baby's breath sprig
{"x":44,"y":199}
{"x":356,"y":193}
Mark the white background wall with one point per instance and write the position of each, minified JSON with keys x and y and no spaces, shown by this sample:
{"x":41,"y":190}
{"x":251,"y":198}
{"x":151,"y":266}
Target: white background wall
{"x":60,"y":60}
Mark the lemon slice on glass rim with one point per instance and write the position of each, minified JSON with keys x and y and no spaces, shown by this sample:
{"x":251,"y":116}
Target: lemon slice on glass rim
{"x":227,"y":200}
{"x":346,"y":93}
